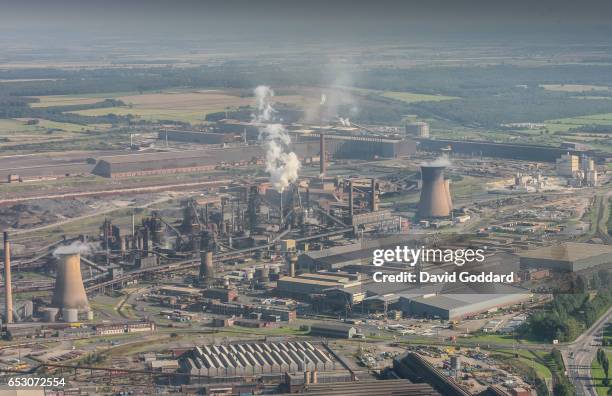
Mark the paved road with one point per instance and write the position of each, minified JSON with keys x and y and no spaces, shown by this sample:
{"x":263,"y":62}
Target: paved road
{"x":579,"y":354}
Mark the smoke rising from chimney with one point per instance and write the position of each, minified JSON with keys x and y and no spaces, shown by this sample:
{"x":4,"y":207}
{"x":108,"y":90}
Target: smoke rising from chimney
{"x":440,"y":161}
{"x":282,"y":164}
{"x":79,"y":247}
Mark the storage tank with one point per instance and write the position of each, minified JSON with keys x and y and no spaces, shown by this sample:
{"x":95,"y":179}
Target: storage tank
{"x":70,"y":315}
{"x":50,"y":314}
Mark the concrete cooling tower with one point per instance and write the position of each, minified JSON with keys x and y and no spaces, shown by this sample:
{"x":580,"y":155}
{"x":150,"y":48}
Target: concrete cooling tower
{"x":435,"y":198}
{"x":69,"y":292}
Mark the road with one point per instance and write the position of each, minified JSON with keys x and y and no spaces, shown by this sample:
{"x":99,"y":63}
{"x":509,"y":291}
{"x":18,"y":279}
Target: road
{"x":579,"y":354}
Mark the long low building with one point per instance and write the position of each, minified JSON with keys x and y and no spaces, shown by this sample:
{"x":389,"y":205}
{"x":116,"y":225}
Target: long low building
{"x":453,"y":306}
{"x":568,"y":256}
{"x":306,"y":284}
{"x":170,"y":162}
{"x":256,"y":359}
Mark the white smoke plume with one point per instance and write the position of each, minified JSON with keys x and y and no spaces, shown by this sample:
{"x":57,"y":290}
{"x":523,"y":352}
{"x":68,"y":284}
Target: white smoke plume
{"x":82,"y":248}
{"x":265,"y":111}
{"x":440,"y":161}
{"x":345,"y":121}
{"x":281,"y":163}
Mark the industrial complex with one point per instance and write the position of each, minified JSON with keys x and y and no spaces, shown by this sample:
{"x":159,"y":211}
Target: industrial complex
{"x":237,"y":258}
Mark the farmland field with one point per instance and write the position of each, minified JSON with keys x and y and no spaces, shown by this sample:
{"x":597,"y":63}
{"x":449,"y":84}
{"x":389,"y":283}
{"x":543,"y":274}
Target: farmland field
{"x":574,"y":87}
{"x":564,"y":124}
{"x":410,"y":97}
{"x":186,"y":106}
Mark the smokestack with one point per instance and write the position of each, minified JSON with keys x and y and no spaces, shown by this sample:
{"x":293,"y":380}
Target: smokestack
{"x":307,"y":377}
{"x":292,"y":264}
{"x":207,"y":267}
{"x":435,"y":198}
{"x":8,"y":288}
{"x":145,"y":242}
{"x":322,"y":161}
{"x":374,"y":200}
{"x":350,"y":199}
{"x":69,"y":291}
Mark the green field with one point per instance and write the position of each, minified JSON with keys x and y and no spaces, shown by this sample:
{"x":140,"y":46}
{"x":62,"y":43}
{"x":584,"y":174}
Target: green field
{"x":564,"y":124}
{"x":598,"y":376}
{"x":192,"y":117}
{"x":530,"y":359}
{"x":410,"y":97}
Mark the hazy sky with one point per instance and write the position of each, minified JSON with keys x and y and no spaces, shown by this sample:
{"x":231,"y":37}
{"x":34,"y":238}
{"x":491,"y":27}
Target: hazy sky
{"x":290,"y":18}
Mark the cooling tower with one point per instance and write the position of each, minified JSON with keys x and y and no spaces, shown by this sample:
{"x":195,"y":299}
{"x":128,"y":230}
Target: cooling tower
{"x":69,"y":291}
{"x":435,"y":193}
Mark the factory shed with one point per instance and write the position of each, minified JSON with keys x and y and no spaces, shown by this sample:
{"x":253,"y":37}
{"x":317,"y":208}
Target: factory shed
{"x":458,"y":306}
{"x":394,"y":387}
{"x":252,"y":359}
{"x":332,"y":330}
{"x":195,"y":137}
{"x":568,"y":256}
{"x":173,"y":161}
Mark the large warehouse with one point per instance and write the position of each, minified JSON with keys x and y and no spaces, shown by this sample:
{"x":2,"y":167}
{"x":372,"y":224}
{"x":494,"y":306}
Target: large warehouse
{"x":174,"y":161}
{"x":451,"y":306}
{"x":253,"y":359}
{"x":170,"y":162}
{"x":568,"y":256}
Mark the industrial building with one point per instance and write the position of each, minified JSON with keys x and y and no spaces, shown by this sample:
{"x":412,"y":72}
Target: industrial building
{"x":173,"y":162}
{"x":414,"y":367}
{"x":567,"y":165}
{"x":255,"y":359}
{"x":394,"y":387}
{"x":459,"y":305}
{"x":332,"y":330}
{"x":336,"y":146}
{"x":307,"y":284}
{"x":418,"y":129}
{"x":568,"y":256}
{"x":480,"y":148}
{"x":195,"y":137}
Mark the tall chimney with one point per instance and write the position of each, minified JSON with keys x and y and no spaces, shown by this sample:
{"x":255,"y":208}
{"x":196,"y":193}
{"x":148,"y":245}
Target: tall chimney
{"x":292,"y":264}
{"x":8,"y":289}
{"x":207,"y":267}
{"x":435,"y":198}
{"x":350,"y":199}
{"x":69,"y":291}
{"x":374,"y":200}
{"x":322,"y":161}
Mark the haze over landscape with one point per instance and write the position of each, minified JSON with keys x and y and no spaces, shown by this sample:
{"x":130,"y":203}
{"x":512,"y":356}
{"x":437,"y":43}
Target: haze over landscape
{"x":214,"y":197}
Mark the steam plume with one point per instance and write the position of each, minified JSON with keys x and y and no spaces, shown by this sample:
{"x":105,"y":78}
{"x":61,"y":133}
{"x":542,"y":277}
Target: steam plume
{"x":440,"y":161}
{"x":79,"y":247}
{"x":281,"y":163}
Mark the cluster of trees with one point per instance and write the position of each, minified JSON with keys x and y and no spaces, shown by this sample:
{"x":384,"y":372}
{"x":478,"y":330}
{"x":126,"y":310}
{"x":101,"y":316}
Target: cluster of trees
{"x":490,"y":95}
{"x":19,"y":107}
{"x":568,"y":315}
{"x":593,"y":128}
{"x":563,"y":387}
